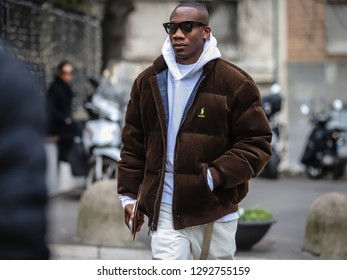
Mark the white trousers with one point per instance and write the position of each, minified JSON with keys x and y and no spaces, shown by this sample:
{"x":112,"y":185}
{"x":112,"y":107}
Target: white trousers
{"x":170,"y":244}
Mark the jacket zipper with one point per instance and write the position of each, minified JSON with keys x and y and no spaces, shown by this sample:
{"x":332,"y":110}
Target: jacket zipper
{"x":161,"y":186}
{"x":195,"y":91}
{"x":161,"y":194}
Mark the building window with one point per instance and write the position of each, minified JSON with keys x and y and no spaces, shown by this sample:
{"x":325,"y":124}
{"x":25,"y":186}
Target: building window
{"x":336,"y":27}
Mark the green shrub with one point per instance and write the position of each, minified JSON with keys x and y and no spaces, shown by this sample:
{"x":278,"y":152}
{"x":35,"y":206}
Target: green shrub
{"x":255,"y":214}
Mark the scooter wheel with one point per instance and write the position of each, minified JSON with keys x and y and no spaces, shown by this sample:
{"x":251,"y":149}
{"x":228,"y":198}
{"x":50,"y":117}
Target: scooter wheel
{"x":108,"y":171}
{"x":314,"y":172}
{"x":272,"y":167}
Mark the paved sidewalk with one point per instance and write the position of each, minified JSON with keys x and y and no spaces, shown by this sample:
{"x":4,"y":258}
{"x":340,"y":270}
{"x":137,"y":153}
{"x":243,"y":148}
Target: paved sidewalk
{"x":85,"y":252}
{"x":288,"y":198}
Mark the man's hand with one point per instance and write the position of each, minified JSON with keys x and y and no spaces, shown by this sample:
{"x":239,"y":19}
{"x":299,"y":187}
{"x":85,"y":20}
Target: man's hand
{"x":128,"y":214}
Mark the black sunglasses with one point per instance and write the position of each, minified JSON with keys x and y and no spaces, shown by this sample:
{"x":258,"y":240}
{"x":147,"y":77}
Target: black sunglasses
{"x":185,"y":26}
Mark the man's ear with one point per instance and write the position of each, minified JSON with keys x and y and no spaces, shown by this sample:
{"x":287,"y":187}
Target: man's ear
{"x":207,"y":32}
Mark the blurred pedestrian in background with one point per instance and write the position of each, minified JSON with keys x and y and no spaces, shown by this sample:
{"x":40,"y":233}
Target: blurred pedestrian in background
{"x":23,"y":194}
{"x":59,"y":109}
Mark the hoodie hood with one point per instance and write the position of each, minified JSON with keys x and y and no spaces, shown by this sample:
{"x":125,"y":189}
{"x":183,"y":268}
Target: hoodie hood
{"x":209,"y":53}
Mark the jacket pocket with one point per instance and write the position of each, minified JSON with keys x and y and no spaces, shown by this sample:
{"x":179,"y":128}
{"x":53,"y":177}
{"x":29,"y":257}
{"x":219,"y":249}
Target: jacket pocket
{"x":192,"y":194}
{"x":233,"y":195}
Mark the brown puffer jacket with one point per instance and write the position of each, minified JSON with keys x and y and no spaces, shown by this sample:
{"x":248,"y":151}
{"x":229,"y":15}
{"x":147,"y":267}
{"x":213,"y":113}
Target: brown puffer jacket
{"x":224,"y":127}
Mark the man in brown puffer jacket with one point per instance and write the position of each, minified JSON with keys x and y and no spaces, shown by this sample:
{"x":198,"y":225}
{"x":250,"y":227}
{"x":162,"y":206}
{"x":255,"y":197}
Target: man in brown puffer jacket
{"x":195,"y":133}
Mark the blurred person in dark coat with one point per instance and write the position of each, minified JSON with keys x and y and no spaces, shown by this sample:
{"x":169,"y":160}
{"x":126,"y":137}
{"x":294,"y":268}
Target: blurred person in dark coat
{"x":23,"y":193}
{"x":59,"y":109}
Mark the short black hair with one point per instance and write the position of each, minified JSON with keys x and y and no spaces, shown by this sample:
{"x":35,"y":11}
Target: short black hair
{"x":62,"y":64}
{"x":198,"y":6}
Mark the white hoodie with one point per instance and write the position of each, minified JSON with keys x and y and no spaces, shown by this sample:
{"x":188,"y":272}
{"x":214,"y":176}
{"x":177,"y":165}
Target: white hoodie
{"x":181,"y":82}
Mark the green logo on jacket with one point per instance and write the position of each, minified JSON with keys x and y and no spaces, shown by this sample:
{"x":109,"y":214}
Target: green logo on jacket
{"x":202,"y":113}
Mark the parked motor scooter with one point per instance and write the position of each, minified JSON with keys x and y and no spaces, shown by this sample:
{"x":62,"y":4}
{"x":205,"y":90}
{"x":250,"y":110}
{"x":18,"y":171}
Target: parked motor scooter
{"x":101,"y":136}
{"x":272,"y":104}
{"x":323,"y":151}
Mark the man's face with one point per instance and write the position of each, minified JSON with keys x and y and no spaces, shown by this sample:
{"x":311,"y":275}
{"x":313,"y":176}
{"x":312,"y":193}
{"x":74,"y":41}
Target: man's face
{"x":66,"y":73}
{"x":188,"y":46}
